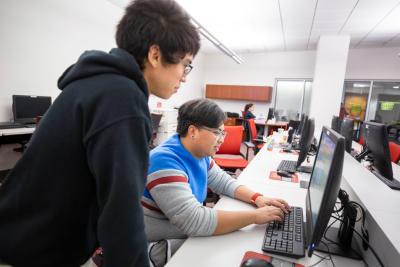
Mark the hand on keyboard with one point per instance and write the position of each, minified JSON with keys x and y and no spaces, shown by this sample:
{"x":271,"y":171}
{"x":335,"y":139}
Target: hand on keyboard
{"x":268,"y":214}
{"x":262,"y":201}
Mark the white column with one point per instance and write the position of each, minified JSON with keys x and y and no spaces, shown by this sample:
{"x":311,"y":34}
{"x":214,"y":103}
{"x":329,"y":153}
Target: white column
{"x":329,"y":73}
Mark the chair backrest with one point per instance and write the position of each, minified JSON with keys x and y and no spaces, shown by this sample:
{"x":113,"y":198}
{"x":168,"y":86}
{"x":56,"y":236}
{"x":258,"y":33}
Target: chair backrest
{"x":232,"y":141}
{"x":252,"y":128}
{"x":394,"y":152}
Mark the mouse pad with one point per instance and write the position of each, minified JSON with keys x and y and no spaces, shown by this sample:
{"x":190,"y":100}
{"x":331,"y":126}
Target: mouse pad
{"x":273,"y":175}
{"x":272,"y":260}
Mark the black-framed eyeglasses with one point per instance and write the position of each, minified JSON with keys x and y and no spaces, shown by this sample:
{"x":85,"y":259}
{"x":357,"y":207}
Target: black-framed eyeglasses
{"x":217,"y":132}
{"x":188,"y":68}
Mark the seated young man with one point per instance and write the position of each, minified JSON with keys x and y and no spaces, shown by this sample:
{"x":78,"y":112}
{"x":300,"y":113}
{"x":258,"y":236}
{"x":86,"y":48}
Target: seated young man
{"x":180,"y":171}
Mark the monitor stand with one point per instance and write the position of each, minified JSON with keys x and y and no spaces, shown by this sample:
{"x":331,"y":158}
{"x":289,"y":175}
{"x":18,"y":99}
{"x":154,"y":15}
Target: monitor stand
{"x":305,"y":169}
{"x":337,"y":249}
{"x":394,"y":184}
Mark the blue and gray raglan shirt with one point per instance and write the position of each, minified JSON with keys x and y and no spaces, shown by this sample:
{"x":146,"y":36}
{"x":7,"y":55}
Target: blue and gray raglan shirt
{"x":176,"y":188}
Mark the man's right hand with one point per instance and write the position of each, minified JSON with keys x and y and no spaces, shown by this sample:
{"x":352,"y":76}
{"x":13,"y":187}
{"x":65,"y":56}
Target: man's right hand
{"x":267,"y":214}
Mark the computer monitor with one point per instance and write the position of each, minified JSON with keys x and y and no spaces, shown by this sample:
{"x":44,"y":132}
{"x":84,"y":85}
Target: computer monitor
{"x":292,"y":126}
{"x":336,"y":123}
{"x":26,"y":107}
{"x":377,"y":144}
{"x":303,"y":120}
{"x":155,"y":121}
{"x":347,"y":131}
{"x":270,"y":113}
{"x":305,"y":143}
{"x":324,"y":186}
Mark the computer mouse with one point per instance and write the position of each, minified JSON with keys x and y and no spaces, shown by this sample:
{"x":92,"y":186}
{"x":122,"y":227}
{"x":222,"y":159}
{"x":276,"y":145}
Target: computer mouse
{"x":284,"y":173}
{"x":254,"y":262}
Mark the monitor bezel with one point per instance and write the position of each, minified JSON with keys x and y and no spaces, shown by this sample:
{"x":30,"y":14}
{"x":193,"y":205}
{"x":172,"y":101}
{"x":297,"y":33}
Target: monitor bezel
{"x":387,"y":163}
{"x":347,"y":131}
{"x":316,"y":232}
{"x":306,"y":140}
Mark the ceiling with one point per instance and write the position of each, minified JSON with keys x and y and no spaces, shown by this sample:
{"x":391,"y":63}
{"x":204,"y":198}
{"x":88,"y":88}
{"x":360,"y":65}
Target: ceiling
{"x":287,"y":25}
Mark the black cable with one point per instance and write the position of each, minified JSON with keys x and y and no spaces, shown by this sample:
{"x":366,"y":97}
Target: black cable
{"x":330,"y":256}
{"x":366,"y":241}
{"x":336,"y":243}
{"x":318,"y":262}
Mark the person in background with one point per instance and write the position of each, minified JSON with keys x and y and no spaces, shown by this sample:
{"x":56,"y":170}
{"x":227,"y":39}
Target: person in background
{"x":343,"y":112}
{"x":248,"y":111}
{"x":79,"y":183}
{"x":180,"y":171}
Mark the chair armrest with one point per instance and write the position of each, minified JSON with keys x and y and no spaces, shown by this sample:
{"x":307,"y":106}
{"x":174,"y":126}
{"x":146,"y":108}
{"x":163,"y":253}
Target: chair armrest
{"x":248,"y":144}
{"x":259,"y":140}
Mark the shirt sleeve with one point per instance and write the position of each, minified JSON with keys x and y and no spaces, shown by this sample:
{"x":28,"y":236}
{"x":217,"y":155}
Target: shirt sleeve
{"x":220,"y":182}
{"x":171,"y":191}
{"x":118,"y":159}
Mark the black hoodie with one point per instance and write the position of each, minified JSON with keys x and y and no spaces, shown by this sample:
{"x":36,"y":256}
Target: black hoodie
{"x":79,"y":183}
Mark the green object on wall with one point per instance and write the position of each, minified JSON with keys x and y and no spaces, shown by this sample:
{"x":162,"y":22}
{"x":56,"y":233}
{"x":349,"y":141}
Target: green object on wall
{"x":387,"y":105}
{"x":355,"y":110}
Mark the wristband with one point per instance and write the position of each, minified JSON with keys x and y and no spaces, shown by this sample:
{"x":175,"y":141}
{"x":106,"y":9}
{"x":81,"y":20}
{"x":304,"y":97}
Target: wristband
{"x":254,"y":197}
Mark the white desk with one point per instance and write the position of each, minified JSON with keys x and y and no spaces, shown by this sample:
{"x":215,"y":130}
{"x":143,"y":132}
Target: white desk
{"x":382,"y":205}
{"x":16,"y":131}
{"x":228,"y":250}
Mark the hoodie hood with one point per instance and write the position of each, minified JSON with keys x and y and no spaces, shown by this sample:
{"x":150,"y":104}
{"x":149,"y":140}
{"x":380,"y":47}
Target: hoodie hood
{"x":92,"y":63}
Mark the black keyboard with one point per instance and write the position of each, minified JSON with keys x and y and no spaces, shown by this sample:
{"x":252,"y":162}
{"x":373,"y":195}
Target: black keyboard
{"x":287,"y":237}
{"x":10,"y":125}
{"x":288,"y":165}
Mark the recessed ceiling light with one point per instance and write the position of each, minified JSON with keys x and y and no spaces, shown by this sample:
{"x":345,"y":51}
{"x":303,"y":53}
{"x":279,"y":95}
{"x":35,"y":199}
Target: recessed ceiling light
{"x":396,"y":87}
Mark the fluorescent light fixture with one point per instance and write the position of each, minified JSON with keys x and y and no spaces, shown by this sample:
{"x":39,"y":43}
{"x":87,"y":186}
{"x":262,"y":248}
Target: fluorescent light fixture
{"x":396,"y":87}
{"x":360,"y":85}
{"x":215,"y":41}
{"x":208,"y":36}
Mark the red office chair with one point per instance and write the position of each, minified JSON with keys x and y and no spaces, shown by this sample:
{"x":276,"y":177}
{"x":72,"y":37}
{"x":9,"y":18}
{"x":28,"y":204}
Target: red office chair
{"x":256,"y":141}
{"x":361,"y":141}
{"x":394,"y":152}
{"x":228,"y":156}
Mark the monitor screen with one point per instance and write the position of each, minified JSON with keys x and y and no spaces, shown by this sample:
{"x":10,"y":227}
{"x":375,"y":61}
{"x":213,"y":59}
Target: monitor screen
{"x":377,"y":143}
{"x":324,"y":185}
{"x":320,"y":175}
{"x":347,"y":131}
{"x":26,"y":108}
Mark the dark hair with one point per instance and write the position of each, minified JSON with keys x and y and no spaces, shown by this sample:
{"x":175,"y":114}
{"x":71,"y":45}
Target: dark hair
{"x":199,"y":112}
{"x":246,"y":108}
{"x":157,"y":22}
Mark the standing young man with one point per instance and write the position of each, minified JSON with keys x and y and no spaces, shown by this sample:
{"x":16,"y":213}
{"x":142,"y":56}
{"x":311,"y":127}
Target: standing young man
{"x":79,"y":183}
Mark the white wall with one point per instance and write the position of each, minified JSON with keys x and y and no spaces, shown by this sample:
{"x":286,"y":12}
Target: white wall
{"x":40,"y":39}
{"x":191,"y":89}
{"x":373,"y":63}
{"x":257,"y":69}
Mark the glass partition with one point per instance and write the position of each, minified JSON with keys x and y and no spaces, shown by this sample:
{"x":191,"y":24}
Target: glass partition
{"x":385,"y":102}
{"x":292,"y":98}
